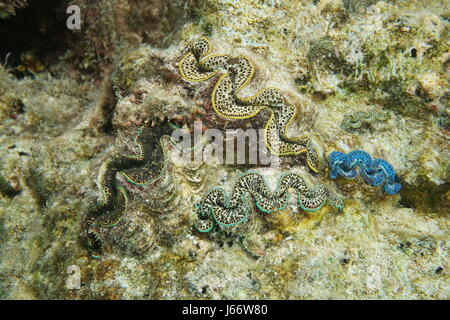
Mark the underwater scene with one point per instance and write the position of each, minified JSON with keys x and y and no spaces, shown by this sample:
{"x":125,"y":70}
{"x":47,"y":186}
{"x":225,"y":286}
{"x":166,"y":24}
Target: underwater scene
{"x":224,"y":149}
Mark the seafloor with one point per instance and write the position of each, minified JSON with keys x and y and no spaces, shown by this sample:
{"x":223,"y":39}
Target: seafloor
{"x":72,"y":100}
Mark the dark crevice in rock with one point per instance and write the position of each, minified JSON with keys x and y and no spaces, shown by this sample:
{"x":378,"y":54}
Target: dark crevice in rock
{"x":34,"y":37}
{"x":107,"y":105}
{"x":6,"y":189}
